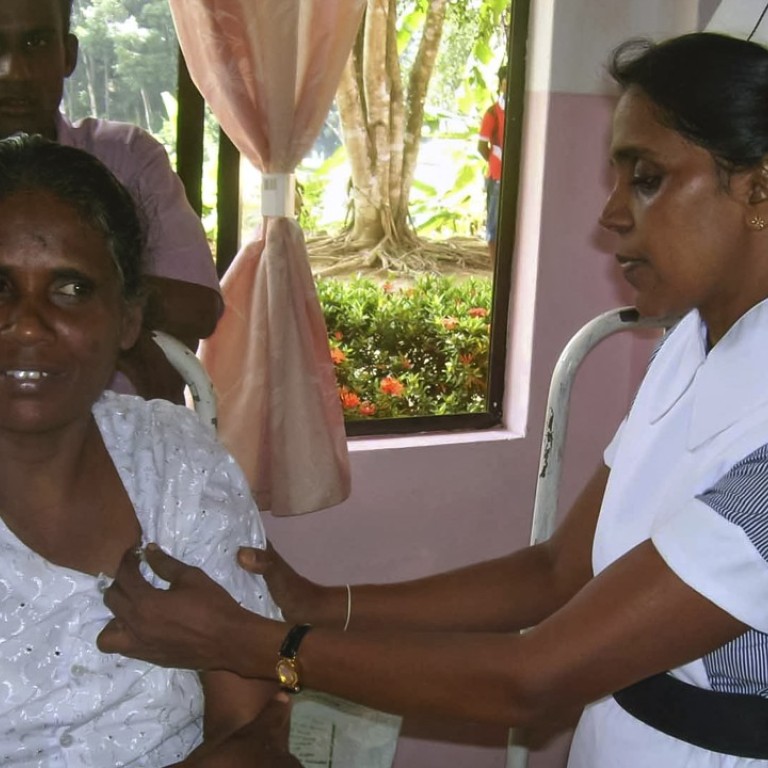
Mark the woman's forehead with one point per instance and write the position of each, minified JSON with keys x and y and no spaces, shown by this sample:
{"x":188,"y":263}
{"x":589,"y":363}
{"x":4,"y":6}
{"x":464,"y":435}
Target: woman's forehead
{"x":38,"y":216}
{"x":638,"y":130}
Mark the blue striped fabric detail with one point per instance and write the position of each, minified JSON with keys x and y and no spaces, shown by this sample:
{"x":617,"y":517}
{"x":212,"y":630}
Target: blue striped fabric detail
{"x":740,"y":666}
{"x":741,"y":497}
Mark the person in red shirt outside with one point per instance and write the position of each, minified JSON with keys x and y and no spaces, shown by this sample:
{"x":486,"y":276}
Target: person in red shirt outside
{"x":489,"y":144}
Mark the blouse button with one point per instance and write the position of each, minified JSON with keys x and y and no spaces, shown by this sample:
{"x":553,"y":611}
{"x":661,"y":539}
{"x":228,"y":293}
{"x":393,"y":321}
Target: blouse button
{"x":77,"y":670}
{"x":66,"y":740}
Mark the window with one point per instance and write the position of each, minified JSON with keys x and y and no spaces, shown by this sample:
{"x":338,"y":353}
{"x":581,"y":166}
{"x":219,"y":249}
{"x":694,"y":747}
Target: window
{"x":412,"y":352}
{"x":127,"y":65}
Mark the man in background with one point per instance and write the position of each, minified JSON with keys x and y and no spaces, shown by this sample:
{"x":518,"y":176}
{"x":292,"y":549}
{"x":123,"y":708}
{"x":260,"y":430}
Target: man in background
{"x":489,"y":144}
{"x":37,"y":53}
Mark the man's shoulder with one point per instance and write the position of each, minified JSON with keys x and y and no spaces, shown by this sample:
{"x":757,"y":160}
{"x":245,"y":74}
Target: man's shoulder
{"x":130,"y":152}
{"x":107,"y":139}
{"x":492,"y":115}
{"x":489,"y":120}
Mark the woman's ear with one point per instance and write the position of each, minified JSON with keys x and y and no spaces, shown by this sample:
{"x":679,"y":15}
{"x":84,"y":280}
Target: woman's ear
{"x":133,"y":317}
{"x":757,"y":197}
{"x":758,"y":184}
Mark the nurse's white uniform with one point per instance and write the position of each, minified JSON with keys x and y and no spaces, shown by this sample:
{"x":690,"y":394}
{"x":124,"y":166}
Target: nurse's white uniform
{"x":688,"y":472}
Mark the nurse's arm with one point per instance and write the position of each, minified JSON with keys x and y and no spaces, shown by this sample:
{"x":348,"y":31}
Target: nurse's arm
{"x":508,"y":593}
{"x":635,"y":619}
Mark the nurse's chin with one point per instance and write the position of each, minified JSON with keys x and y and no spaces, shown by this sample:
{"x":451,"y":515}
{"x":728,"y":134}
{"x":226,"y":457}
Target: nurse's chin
{"x":656,"y":308}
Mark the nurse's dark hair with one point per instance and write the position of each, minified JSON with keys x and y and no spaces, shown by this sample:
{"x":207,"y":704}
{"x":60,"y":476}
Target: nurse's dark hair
{"x":30,"y":163}
{"x":710,"y":88}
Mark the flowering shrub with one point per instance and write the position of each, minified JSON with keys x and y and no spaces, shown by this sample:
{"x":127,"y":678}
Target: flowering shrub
{"x":415,"y":350}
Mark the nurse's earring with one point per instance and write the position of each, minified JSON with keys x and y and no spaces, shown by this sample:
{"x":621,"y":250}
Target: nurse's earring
{"x":757,"y":223}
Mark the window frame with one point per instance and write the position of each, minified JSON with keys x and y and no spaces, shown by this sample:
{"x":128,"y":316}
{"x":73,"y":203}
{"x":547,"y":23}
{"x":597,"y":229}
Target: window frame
{"x":190,"y":131}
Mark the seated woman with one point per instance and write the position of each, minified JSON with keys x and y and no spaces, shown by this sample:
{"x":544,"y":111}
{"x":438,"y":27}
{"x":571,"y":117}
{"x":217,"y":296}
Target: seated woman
{"x":85,"y":474}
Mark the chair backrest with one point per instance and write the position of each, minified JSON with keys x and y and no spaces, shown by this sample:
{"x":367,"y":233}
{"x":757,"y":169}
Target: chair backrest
{"x":553,"y":439}
{"x":195,"y":376}
{"x":556,"y":418}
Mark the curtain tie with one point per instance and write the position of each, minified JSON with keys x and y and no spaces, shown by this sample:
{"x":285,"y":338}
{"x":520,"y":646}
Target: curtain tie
{"x":278,"y":194}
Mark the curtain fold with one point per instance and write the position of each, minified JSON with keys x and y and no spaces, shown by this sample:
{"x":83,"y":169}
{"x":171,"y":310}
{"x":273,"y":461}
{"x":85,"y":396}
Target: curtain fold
{"x":269,"y":70}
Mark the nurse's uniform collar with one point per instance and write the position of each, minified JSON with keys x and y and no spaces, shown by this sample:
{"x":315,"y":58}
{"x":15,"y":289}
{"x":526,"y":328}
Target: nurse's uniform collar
{"x":731,"y":381}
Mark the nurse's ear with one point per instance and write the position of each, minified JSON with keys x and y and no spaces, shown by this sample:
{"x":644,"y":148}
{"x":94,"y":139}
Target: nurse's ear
{"x":757,"y":197}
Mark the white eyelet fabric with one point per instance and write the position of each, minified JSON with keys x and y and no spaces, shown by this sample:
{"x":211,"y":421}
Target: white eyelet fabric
{"x":62,"y":702}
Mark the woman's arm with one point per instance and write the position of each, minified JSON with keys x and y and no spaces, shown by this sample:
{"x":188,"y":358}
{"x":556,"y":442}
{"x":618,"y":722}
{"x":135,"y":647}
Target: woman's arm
{"x":191,"y":624}
{"x":617,"y":628}
{"x":511,"y":592}
{"x":231,"y":702}
{"x":262,"y":741}
{"x":635,"y":619}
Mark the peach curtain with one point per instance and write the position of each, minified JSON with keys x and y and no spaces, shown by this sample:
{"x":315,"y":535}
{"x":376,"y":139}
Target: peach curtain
{"x":269,"y":70}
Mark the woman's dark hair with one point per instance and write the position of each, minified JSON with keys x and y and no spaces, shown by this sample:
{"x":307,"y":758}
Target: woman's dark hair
{"x":711,"y":88}
{"x":79,"y":179}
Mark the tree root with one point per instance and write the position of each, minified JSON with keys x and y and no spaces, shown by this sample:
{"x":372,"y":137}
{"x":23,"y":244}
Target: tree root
{"x":337,"y":255}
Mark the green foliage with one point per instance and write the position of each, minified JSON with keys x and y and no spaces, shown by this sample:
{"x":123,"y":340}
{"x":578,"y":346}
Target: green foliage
{"x":457,"y":205}
{"x":473,"y":46}
{"x":412,"y":350}
{"x":310,"y":194}
{"x":128,"y":59}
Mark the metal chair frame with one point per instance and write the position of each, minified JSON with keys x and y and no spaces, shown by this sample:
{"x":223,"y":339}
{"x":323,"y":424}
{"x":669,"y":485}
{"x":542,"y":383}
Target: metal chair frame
{"x":555,"y":429}
{"x":184,"y":360}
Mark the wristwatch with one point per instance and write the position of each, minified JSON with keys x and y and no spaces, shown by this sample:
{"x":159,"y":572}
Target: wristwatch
{"x":287,"y":668}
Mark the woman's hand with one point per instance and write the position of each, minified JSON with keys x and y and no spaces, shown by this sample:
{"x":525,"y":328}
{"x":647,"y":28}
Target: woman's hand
{"x":262,"y":743}
{"x":301,"y":600}
{"x":194,"y":624}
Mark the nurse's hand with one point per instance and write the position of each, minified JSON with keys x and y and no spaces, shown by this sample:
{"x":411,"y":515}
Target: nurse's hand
{"x":302,"y":601}
{"x":194,"y":624}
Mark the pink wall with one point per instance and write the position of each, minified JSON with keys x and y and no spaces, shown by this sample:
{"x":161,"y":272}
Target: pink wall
{"x":421,"y":509}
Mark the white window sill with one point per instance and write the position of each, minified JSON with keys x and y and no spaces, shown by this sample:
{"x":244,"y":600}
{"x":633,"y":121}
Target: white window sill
{"x":425,"y":440}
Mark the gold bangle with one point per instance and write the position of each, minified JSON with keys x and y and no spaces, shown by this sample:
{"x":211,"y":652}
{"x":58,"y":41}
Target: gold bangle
{"x":349,"y":607}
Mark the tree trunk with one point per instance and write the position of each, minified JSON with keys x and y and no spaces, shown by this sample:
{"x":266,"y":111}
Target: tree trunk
{"x":90,"y":80}
{"x":421,"y":74}
{"x":147,"y":109}
{"x":381,"y":124}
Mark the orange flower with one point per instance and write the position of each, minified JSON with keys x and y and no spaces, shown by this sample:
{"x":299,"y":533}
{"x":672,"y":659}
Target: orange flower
{"x":338,"y":335}
{"x":466,"y":359}
{"x":367,"y":408}
{"x":389,"y":385}
{"x":349,"y":399}
{"x":388,"y":287}
{"x":450,"y":323}
{"x":478,"y":312}
{"x":337,"y":356}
